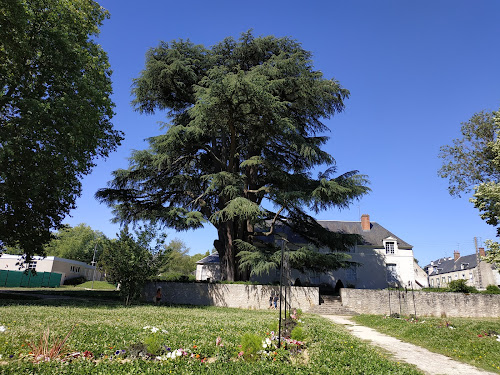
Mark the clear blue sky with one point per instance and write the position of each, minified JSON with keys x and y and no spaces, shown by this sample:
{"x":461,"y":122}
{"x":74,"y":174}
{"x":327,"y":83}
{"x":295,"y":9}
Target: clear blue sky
{"x":415,"y":69}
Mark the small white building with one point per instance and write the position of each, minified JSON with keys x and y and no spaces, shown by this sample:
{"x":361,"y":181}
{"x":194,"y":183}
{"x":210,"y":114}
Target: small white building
{"x":69,"y":269}
{"x":383,"y":260}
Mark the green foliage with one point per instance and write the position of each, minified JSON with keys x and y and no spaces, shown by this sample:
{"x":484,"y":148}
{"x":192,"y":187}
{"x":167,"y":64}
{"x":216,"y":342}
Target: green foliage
{"x":131,"y":262}
{"x":298,"y":333}
{"x":460,"y":286}
{"x":103,"y":331}
{"x":306,"y":258}
{"x":55,"y":112}
{"x":473,"y":163}
{"x":177,"y":263}
{"x":176,"y":277}
{"x":245,"y":129}
{"x":493,"y":254}
{"x":77,"y":243}
{"x":154,"y":343}
{"x":250,"y":345}
{"x":75,"y":281}
{"x":492,"y":289}
{"x":470,"y":160}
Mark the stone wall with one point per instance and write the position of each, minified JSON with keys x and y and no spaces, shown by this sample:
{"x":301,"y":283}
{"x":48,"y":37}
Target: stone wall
{"x":381,"y":302}
{"x":229,"y":295}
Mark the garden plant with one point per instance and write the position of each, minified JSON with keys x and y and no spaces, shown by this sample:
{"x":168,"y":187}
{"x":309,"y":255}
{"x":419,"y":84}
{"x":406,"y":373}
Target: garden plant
{"x":111,"y":338}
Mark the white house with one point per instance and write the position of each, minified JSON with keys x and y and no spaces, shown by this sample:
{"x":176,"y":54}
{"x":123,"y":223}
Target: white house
{"x":384,"y":260}
{"x":69,"y":269}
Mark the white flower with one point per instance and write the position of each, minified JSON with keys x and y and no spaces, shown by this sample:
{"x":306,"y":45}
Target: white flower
{"x":178,"y":352}
{"x":3,"y":329}
{"x":154,"y":329}
{"x":266,"y":343}
{"x":164,"y":331}
{"x":450,"y":327}
{"x":147,"y":327}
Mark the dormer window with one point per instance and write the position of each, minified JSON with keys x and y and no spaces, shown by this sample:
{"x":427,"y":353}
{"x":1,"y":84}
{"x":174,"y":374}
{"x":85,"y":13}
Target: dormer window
{"x":389,"y":247}
{"x":464,"y":265}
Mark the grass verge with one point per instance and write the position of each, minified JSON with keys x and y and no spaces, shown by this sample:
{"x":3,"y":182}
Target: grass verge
{"x":471,"y":340}
{"x":105,"y":329}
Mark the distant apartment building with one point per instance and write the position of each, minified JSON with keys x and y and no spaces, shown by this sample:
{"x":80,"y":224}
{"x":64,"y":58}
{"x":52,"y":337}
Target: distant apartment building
{"x":478,"y":274}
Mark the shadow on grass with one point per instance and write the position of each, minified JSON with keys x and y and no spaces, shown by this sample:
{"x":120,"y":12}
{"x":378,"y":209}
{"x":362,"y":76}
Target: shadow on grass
{"x":60,"y":297}
{"x":72,"y":298}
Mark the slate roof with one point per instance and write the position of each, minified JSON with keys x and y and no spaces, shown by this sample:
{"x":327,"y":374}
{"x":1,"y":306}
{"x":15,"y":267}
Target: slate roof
{"x":372,"y":237}
{"x":212,"y":258}
{"x":445,"y":265}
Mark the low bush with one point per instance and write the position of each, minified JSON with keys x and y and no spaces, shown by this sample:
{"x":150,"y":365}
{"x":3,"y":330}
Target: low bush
{"x":75,"y":281}
{"x":492,"y":289}
{"x":251,"y":344}
{"x":460,"y":286}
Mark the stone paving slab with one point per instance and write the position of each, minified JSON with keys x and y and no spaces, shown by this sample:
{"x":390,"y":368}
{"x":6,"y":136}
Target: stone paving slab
{"x":425,"y":360}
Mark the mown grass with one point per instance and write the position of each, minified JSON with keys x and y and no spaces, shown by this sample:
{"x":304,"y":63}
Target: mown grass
{"x":101,"y":291}
{"x":470,"y":340}
{"x":95,"y":285}
{"x":103,"y":328}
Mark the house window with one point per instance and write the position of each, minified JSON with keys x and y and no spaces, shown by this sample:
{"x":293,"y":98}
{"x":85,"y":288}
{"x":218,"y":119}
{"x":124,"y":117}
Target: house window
{"x":432,"y":282}
{"x":449,"y":279}
{"x":389,"y":247}
{"x":392,"y":274}
{"x":31,"y":265}
{"x":444,"y":279}
{"x":471,"y":277}
{"x":437,"y":282}
{"x":456,"y":276}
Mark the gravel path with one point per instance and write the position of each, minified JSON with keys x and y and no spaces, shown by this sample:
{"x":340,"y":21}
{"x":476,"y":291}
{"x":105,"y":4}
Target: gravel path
{"x":428,"y":362}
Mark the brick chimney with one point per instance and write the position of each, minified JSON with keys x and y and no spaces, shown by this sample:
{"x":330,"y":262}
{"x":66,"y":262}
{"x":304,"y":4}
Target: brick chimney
{"x":456,"y":255}
{"x":365,"y":222}
{"x":481,"y":252}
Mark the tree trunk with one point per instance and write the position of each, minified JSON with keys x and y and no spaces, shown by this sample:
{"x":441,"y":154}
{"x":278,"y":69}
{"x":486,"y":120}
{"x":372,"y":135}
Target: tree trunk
{"x":227,"y":252}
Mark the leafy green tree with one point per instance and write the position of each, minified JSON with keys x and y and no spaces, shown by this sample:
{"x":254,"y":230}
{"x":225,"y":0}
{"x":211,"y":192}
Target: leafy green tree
{"x":77,"y":243}
{"x":244,"y":137}
{"x":472,"y":163}
{"x":177,"y":261}
{"x":130,"y":261}
{"x":472,"y":159}
{"x":55,"y":112}
{"x":493,"y":254}
{"x":460,"y":286}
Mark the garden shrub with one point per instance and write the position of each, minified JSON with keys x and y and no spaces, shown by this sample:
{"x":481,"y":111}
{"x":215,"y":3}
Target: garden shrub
{"x":154,"y":344}
{"x":75,"y":281}
{"x":250,"y":345}
{"x":460,"y":286}
{"x":492,"y":289}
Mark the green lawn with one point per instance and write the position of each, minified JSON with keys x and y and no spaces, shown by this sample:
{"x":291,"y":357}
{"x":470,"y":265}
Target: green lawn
{"x":104,"y":328}
{"x":470,"y":340}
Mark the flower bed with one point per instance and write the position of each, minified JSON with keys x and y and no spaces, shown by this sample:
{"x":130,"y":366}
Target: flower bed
{"x":152,"y":339}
